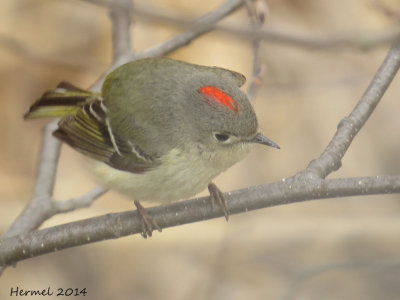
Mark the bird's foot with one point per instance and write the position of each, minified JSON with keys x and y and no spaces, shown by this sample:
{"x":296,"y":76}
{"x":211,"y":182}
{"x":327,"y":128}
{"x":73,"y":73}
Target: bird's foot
{"x":217,"y":196}
{"x":148,"y":223}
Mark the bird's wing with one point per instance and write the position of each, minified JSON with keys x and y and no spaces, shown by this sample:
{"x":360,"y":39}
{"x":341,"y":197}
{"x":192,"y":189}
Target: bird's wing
{"x":85,"y":127}
{"x":89,"y":132}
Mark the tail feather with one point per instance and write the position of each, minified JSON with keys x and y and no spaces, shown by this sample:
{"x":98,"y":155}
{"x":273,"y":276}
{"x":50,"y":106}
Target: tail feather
{"x":64,"y":100}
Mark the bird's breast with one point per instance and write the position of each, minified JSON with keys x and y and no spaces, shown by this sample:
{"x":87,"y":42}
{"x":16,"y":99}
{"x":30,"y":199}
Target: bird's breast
{"x":178,"y":176}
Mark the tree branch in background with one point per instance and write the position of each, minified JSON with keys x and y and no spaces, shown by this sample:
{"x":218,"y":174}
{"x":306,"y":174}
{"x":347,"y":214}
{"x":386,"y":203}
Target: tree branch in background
{"x":361,"y":40}
{"x":203,"y":25}
{"x":355,"y":40}
{"x":257,"y":11}
{"x":120,"y":16}
{"x":330,"y":159}
{"x":42,"y":205}
{"x":37,"y":210}
{"x":81,"y":202}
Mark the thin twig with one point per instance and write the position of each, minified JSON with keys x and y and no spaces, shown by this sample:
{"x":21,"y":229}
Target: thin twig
{"x":363,"y":40}
{"x":42,"y":206}
{"x":81,"y":202}
{"x":354,"y":40}
{"x":330,"y":159}
{"x":120,"y":15}
{"x":257,"y":12}
{"x":116,"y":225}
{"x":36,"y":212}
{"x":201,"y":26}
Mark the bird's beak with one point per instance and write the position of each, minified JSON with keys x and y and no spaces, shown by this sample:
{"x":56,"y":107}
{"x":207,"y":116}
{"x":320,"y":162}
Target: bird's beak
{"x":260,"y":139}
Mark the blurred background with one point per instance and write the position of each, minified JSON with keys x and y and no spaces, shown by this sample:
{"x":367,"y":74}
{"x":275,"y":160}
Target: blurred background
{"x":346,"y":248}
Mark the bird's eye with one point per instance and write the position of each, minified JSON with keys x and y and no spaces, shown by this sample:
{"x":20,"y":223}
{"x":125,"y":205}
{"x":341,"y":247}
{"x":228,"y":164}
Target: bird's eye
{"x":221,"y":137}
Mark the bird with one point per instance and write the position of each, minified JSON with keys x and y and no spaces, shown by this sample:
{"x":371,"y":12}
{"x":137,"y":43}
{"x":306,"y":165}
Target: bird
{"x":160,"y":129}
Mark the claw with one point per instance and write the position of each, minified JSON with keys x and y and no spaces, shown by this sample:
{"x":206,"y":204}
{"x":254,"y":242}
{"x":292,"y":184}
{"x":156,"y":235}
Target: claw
{"x":216,"y":195}
{"x":148,"y":223}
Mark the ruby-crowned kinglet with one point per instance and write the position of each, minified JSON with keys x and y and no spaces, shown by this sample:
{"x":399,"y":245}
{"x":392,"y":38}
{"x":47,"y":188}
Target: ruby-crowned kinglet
{"x":160,"y":129}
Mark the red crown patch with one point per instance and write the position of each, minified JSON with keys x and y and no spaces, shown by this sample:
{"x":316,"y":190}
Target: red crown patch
{"x":211,"y":93}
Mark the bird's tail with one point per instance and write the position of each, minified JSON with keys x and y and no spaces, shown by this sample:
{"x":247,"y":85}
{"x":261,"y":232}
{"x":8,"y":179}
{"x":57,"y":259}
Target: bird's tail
{"x":66,"y":99}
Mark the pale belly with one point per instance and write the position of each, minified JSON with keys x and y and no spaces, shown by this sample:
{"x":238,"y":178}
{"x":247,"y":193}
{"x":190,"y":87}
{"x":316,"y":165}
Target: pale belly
{"x":154,"y":185}
{"x":183,"y":178}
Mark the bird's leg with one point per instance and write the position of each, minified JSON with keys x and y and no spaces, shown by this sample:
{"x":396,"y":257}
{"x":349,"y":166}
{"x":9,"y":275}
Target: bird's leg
{"x":148,"y":223}
{"x":216,"y":195}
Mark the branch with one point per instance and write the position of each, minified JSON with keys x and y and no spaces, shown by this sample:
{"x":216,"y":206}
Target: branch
{"x":201,"y":26}
{"x":120,"y":15}
{"x":36,"y":212}
{"x":257,"y":12}
{"x":42,"y":206}
{"x":117,"y":225}
{"x":81,"y":202}
{"x":330,"y":159}
{"x":363,"y":40}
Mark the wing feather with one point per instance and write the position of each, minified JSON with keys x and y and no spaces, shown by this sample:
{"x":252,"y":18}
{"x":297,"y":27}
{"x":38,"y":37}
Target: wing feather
{"x":89,"y":132}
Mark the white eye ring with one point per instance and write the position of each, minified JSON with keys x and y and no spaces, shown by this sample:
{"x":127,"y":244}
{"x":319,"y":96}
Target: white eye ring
{"x":222,"y":137}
